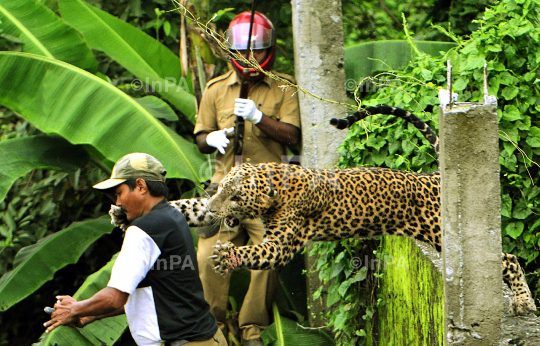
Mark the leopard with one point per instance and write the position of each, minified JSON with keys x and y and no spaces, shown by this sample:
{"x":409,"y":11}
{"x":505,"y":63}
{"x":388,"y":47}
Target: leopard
{"x":298,"y":204}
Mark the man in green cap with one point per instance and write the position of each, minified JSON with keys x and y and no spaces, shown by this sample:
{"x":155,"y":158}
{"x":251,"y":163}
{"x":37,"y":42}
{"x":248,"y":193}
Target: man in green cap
{"x":155,"y":280}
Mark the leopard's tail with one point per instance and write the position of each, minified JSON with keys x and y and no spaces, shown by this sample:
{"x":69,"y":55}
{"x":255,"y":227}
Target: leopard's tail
{"x":426,"y":131}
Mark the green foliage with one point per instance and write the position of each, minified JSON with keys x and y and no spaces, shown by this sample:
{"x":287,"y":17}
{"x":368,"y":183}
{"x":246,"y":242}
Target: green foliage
{"x":36,"y":264}
{"x":385,"y":141}
{"x":27,"y":215}
{"x":157,"y":107}
{"x":342,"y":273}
{"x":45,"y":202}
{"x":22,"y":155}
{"x":147,"y":16}
{"x":7,"y":41}
{"x":39,"y":204}
{"x":71,"y":112}
{"x":41,"y":201}
{"x":155,"y":66}
{"x":508,"y":39}
{"x":375,"y":20}
{"x":23,"y":19}
{"x":368,"y":58}
{"x":287,"y":332}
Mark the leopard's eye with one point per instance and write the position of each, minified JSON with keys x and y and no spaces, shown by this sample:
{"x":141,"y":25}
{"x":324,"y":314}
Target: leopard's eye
{"x":235,"y":199}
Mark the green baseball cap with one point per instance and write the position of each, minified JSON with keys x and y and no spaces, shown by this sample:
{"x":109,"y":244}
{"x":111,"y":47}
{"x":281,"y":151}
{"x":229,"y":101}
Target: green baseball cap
{"x":133,"y":166}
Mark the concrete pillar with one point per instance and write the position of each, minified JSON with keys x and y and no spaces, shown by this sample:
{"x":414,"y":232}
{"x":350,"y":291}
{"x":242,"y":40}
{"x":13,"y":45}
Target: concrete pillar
{"x":318,"y":57}
{"x":471,"y":224}
{"x":318,"y":60}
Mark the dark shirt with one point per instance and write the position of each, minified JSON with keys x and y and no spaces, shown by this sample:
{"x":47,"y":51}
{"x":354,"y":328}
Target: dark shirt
{"x":158,"y":257}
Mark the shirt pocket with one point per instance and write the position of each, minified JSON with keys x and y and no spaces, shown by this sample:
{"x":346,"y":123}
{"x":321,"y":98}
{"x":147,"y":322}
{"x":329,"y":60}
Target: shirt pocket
{"x":271,"y":112}
{"x":226,"y":118}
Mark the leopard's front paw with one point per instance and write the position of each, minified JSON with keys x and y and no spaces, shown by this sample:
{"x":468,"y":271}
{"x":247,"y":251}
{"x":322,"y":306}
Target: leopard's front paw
{"x":118,"y":217}
{"x":522,"y":305}
{"x":224,"y":258}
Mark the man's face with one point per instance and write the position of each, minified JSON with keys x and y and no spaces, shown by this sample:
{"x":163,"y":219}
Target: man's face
{"x":258,"y":55}
{"x":130,"y":201}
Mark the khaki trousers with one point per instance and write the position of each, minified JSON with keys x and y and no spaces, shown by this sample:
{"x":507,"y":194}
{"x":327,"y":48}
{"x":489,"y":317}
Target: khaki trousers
{"x":254,"y":314}
{"x":217,"y":340}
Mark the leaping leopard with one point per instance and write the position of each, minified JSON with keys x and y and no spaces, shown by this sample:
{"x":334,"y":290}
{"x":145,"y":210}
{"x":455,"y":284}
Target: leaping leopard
{"x":297,"y":204}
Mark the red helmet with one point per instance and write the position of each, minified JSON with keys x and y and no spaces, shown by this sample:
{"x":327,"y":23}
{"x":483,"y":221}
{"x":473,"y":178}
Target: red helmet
{"x":263,"y":36}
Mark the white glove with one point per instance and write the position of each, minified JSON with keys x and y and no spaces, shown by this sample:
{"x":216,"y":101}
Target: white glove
{"x":246,"y":109}
{"x":218,"y":139}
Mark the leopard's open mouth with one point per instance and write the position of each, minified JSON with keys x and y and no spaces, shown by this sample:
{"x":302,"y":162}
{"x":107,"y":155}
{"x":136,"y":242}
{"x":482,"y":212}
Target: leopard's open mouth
{"x":231,"y":221}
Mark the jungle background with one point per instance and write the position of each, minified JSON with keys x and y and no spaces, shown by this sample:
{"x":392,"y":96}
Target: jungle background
{"x":55,"y":145}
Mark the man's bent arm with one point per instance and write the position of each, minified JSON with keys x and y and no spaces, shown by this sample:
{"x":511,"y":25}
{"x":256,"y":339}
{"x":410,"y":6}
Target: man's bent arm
{"x":86,"y":320}
{"x":106,"y":302}
{"x":278,"y":131}
{"x":204,"y":148}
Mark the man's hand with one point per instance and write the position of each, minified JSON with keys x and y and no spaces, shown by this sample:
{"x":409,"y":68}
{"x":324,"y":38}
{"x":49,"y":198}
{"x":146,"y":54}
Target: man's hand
{"x":246,"y":109}
{"x":218,"y":139}
{"x":63,"y":314}
{"x":69,"y":312}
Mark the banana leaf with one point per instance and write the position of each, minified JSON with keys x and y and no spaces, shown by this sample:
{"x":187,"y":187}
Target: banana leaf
{"x":59,"y":98}
{"x":99,"y":333}
{"x":156,"y":67}
{"x":286,"y":332}
{"x":157,"y":107}
{"x":36,"y":264}
{"x":369,"y":58}
{"x":44,"y":33}
{"x":22,"y":155}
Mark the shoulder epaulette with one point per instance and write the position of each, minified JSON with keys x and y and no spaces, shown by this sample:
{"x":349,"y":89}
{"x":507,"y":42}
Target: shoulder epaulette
{"x":285,"y":76}
{"x":218,"y":78}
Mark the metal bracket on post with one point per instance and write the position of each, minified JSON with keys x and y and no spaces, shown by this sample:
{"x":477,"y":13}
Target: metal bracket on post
{"x":486,"y":94}
{"x":449,"y":84}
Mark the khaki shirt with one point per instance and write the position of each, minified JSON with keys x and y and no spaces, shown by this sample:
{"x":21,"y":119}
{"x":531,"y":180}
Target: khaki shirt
{"x":216,"y":112}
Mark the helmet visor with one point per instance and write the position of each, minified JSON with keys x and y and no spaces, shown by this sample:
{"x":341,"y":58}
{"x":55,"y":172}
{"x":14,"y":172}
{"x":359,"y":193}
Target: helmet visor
{"x":261,"y":36}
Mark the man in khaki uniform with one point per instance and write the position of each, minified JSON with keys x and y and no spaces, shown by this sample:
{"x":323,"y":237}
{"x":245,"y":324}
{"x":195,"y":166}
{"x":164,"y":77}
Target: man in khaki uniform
{"x":272,"y":122}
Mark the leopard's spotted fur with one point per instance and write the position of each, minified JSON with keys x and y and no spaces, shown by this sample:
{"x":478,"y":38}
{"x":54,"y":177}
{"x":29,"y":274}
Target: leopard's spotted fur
{"x":298,"y":204}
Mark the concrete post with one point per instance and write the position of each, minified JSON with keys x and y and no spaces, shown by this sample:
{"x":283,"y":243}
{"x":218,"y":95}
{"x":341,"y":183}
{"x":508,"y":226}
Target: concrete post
{"x":470,"y":212}
{"x":318,"y":60}
{"x":318,"y":56}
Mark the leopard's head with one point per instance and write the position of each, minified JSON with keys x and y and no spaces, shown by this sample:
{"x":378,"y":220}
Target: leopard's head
{"x":244,"y":193}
